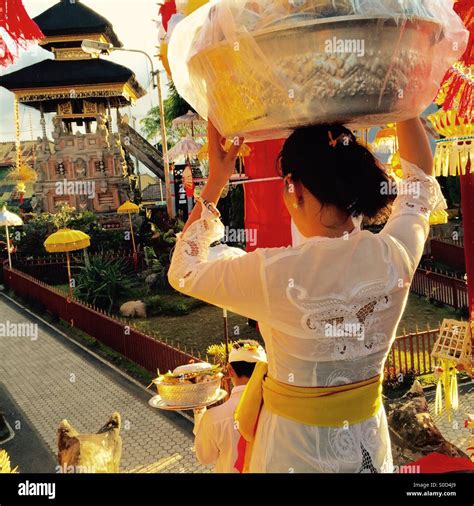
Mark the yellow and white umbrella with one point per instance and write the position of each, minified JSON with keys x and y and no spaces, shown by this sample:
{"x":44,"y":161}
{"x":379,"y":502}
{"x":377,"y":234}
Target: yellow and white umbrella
{"x":64,"y":241}
{"x":189,"y":119}
{"x":130,"y":208}
{"x":186,"y":147}
{"x":9,"y":219}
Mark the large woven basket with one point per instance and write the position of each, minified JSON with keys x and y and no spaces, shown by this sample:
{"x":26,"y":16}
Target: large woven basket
{"x":189,"y":394}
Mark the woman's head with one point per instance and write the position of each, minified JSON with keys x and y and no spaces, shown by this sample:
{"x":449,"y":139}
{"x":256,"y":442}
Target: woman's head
{"x":330,"y":177}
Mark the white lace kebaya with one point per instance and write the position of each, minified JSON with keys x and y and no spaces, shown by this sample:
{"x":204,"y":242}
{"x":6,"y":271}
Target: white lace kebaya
{"x":328,"y":311}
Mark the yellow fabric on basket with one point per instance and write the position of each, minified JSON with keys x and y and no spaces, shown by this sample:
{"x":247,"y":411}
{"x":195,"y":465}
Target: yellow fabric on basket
{"x":439,"y":217}
{"x":336,"y":406}
{"x":193,"y":5}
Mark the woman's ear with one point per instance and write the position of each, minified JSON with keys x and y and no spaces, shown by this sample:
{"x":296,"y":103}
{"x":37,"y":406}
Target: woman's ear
{"x":296,"y":190}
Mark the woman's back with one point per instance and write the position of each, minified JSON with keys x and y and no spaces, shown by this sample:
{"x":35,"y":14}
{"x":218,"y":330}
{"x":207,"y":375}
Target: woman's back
{"x":332,"y":301}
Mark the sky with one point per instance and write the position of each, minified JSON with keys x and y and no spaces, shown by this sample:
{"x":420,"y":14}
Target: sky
{"x":133,"y":22}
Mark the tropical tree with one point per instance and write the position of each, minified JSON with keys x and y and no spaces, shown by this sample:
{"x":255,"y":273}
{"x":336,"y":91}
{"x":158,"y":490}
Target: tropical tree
{"x":174,"y":106}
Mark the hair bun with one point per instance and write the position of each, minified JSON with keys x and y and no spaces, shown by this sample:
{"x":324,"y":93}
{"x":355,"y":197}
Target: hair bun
{"x":336,"y":169}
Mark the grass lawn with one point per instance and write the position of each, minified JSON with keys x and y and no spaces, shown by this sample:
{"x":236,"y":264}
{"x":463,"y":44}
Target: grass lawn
{"x":199,"y":329}
{"x":419,"y":312}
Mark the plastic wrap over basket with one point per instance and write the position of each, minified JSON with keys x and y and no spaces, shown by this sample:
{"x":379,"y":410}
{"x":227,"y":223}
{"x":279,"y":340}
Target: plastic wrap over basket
{"x":189,"y":394}
{"x":261,"y":68}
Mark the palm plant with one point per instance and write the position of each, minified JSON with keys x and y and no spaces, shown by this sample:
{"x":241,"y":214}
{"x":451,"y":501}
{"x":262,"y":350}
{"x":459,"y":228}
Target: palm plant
{"x":103,"y":280}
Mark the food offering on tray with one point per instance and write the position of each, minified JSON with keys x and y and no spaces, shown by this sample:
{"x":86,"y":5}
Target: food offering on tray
{"x":260,"y":68}
{"x":190,"y":385}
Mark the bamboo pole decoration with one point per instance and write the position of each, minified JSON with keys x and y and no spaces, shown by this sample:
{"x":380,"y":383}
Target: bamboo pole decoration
{"x":226,"y":336}
{"x":69,"y":272}
{"x":131,"y":231}
{"x":17,"y":133}
{"x":8,"y":247}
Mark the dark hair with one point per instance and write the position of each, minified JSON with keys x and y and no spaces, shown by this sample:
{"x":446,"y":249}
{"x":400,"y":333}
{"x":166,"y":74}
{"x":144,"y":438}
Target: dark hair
{"x":243,"y":368}
{"x":336,"y":169}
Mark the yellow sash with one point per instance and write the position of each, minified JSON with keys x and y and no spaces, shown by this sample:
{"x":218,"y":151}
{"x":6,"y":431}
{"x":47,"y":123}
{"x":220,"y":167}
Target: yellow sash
{"x":324,"y":406}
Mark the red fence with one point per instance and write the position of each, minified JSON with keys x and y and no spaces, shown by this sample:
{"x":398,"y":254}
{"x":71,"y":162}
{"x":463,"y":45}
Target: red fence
{"x":446,"y":289}
{"x":449,"y":252}
{"x":412,"y":353}
{"x":113,"y":332}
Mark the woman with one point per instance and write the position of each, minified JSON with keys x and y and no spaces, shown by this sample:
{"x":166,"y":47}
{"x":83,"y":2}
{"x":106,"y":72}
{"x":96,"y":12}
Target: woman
{"x":328,"y":309}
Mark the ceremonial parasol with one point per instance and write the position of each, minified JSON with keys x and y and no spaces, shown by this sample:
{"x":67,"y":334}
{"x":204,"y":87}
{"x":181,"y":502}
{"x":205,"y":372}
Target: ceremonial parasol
{"x":130,"y":207}
{"x":64,"y":241}
{"x":9,"y":219}
{"x":188,"y":181}
{"x":185,"y":147}
{"x":189,"y":119}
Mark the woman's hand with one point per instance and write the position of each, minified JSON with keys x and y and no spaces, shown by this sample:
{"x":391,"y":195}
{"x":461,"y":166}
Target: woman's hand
{"x":221,"y":163}
{"x":221,"y":167}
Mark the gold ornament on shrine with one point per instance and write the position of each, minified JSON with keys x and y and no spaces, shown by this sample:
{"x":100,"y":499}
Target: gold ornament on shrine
{"x":22,"y":173}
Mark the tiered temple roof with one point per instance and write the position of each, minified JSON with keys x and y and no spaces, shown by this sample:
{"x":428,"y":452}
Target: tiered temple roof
{"x":67,"y":19}
{"x":73,"y":74}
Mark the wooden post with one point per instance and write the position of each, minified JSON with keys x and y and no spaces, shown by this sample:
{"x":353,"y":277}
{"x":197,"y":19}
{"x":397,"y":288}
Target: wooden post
{"x":69,"y":273}
{"x":8,"y":247}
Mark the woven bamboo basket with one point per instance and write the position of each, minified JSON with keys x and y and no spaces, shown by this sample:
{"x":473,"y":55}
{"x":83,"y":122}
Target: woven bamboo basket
{"x":189,"y":394}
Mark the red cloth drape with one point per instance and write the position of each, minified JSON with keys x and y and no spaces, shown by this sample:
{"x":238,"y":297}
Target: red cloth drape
{"x":460,"y":95}
{"x":21,"y":29}
{"x":467,"y":206}
{"x":438,"y":463}
{"x":166,"y":10}
{"x":265,"y":210}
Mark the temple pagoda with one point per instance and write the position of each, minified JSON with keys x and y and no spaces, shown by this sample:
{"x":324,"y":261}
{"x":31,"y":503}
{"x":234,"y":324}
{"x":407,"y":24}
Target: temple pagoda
{"x":81,"y":90}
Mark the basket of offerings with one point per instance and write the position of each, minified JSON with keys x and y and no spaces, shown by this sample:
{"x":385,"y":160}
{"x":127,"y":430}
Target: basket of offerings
{"x":259,"y":69}
{"x":194,"y":384}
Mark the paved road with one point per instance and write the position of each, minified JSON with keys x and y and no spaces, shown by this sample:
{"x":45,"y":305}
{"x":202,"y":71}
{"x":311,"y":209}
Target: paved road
{"x":50,"y":379}
{"x":454,"y":431}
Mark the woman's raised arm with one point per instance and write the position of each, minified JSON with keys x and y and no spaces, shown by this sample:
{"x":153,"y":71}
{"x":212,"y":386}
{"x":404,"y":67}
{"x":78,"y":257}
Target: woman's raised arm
{"x":414,"y":144}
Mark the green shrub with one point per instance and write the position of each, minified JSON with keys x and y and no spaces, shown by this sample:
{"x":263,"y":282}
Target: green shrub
{"x":103,"y":280}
